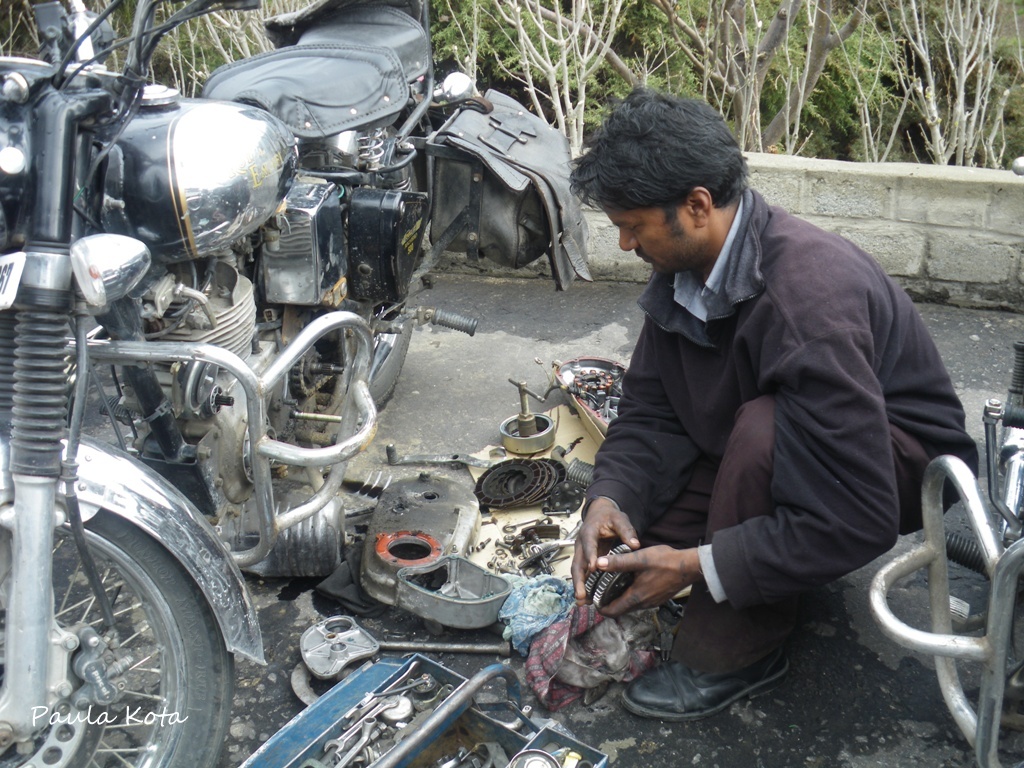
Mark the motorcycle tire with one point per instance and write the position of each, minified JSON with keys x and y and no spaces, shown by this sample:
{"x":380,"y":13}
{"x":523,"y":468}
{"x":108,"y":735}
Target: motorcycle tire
{"x":175,"y":707}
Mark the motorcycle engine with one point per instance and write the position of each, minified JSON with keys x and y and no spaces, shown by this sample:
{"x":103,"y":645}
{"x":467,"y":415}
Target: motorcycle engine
{"x":341,"y":236}
{"x":245,"y":249}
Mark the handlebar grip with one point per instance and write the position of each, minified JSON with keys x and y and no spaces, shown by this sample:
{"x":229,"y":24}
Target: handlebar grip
{"x":1013,"y":416}
{"x":1017,"y":379}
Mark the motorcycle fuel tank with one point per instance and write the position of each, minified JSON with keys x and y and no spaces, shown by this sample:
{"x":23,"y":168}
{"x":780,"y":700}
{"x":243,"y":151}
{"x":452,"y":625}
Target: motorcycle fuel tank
{"x":191,"y":176}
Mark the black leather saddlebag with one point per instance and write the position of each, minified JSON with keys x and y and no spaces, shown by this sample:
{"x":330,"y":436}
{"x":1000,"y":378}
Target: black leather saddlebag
{"x":501,"y":190}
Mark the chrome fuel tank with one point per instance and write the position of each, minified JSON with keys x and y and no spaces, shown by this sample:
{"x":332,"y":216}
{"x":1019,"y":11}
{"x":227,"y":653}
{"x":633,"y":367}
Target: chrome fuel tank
{"x":191,"y":176}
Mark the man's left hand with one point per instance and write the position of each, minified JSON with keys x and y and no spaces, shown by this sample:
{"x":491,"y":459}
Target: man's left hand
{"x":661,"y":572}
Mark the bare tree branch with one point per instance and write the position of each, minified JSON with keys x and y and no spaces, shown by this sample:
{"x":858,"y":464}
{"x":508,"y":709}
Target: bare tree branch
{"x":953,"y":85}
{"x":613,"y":59}
{"x":821,"y":43}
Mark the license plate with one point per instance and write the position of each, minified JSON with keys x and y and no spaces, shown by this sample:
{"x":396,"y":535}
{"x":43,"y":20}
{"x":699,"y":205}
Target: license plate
{"x":11,"y":266}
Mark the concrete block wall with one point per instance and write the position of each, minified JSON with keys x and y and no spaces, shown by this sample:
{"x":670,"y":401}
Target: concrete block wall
{"x":952,"y":235}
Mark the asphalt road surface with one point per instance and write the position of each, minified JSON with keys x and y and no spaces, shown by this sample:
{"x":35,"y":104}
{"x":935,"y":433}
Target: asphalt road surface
{"x":852,"y":698}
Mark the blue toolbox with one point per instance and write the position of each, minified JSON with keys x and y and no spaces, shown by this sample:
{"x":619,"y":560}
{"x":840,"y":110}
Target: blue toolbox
{"x":415,"y":712}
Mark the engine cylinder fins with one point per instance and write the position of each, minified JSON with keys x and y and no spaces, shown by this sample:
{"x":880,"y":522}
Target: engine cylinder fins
{"x":311,"y":548}
{"x":519,"y":482}
{"x":236,"y":321}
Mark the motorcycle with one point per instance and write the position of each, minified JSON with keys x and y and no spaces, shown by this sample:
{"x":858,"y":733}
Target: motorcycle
{"x":996,"y":551}
{"x":242,"y":265}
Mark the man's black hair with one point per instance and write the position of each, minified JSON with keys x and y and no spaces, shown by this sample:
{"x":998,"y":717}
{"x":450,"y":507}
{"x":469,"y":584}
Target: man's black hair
{"x":652,"y":150}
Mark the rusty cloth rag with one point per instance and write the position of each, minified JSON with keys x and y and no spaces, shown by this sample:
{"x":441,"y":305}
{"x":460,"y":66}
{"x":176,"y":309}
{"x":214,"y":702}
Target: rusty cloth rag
{"x":585,"y":650}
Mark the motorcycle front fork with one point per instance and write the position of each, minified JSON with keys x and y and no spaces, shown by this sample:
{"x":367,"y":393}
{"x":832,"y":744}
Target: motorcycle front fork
{"x":33,"y":407}
{"x":34,"y":354}
{"x":33,"y":646}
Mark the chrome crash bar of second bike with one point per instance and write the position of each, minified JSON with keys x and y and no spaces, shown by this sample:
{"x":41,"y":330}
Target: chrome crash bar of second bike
{"x":1003,"y":566}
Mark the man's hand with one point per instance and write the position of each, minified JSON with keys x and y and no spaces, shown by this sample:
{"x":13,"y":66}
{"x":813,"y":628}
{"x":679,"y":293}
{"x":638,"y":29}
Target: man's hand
{"x":605,"y":526}
{"x":659,"y":574}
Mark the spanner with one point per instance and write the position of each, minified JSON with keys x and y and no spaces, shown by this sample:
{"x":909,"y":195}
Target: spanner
{"x":451,"y":458}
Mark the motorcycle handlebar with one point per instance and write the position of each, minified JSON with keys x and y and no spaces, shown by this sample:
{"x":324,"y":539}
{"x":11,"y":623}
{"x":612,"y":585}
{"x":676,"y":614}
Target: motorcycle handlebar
{"x":1013,"y":416}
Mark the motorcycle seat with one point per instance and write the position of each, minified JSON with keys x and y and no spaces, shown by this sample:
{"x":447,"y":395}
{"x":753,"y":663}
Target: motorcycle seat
{"x":376,"y":25}
{"x":352,"y":69}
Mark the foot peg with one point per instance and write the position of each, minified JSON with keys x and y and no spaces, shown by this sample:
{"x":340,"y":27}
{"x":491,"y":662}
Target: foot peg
{"x":444,"y":318}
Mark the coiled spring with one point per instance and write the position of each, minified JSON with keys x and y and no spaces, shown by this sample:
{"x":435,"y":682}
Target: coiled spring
{"x":371,"y":148}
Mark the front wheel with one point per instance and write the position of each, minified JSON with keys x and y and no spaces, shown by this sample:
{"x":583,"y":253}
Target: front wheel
{"x":176,"y":697}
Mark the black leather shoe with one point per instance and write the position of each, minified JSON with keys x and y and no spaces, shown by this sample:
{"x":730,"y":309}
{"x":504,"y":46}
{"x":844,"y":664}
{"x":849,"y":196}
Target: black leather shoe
{"x":673,"y":691}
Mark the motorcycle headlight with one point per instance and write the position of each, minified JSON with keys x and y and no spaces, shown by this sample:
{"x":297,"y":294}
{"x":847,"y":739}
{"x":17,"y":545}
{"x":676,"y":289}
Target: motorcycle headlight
{"x":107,"y":266}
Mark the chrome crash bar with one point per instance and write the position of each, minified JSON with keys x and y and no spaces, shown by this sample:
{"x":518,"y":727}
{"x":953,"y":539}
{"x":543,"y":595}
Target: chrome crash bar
{"x":257,"y":387}
{"x":1003,"y":566}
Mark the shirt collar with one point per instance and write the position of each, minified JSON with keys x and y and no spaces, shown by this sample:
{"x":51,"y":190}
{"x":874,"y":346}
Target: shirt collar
{"x":690,"y":292}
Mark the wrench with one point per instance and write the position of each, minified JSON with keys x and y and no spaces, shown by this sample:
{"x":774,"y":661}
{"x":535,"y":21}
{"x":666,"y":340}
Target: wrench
{"x":451,"y":458}
{"x":361,"y":716}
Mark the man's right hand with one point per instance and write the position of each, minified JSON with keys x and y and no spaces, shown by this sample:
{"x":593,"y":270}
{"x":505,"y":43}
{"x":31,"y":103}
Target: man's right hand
{"x":605,"y":525}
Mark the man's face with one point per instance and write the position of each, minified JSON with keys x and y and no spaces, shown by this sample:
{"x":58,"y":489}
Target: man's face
{"x":665,"y":238}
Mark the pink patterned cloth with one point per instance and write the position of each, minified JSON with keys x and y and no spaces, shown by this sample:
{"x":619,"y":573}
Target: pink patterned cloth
{"x":585,"y":650}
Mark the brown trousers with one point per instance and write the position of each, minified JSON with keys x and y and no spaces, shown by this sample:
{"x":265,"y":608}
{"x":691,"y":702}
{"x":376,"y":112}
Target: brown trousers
{"x":715,"y":637}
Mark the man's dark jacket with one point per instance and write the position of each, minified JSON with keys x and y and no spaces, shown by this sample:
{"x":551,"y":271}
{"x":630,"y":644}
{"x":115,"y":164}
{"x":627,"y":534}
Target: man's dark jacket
{"x":810,"y":318}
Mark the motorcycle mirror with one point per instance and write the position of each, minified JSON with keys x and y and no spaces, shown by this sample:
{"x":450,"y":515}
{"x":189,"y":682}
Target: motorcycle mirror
{"x":107,"y":266}
{"x":456,"y":87}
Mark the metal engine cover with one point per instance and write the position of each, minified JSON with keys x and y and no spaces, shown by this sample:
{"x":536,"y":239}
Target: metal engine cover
{"x":385,"y":230}
{"x":416,"y":522}
{"x":308,"y":267}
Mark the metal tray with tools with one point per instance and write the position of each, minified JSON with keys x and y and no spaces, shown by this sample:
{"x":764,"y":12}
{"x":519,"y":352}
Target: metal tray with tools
{"x":416,"y":713}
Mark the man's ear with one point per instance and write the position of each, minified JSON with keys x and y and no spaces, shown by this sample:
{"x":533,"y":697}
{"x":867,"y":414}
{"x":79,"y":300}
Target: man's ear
{"x":698,"y":206}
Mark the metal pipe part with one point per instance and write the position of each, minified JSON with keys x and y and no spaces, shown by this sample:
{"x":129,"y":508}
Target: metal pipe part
{"x":991,"y":415}
{"x":432,"y":646}
{"x":998,"y":633}
{"x":327,"y":494}
{"x":981,"y":728}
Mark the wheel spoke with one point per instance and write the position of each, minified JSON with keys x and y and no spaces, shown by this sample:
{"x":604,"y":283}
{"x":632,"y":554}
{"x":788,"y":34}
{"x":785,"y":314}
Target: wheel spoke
{"x":138,"y":664}
{"x":67,"y":593}
{"x":116,"y":753}
{"x":141,"y":695}
{"x":127,"y":641}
